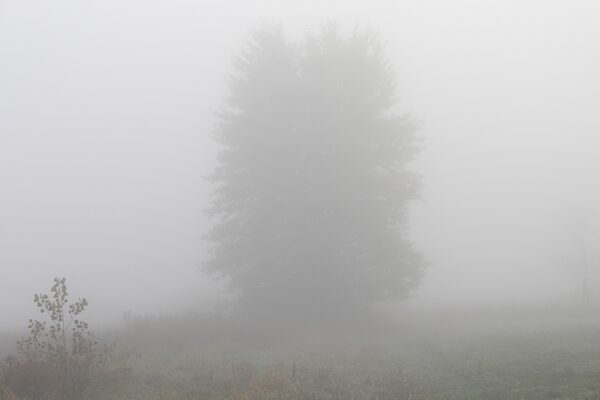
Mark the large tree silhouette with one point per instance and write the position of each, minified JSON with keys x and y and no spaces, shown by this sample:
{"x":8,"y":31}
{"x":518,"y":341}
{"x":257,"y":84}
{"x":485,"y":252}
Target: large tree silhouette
{"x":312,"y":186}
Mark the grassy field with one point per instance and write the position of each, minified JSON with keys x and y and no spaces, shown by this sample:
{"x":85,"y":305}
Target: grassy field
{"x":508,"y":354}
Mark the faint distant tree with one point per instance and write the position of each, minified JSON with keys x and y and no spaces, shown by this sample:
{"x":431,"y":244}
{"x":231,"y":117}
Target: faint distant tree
{"x":312,"y":186}
{"x":580,"y":232}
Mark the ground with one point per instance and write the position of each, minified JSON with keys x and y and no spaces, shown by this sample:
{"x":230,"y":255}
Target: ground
{"x":484,"y":354}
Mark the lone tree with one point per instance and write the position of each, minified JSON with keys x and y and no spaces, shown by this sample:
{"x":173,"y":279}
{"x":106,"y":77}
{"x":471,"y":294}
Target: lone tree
{"x":312,"y":185}
{"x":60,"y":358}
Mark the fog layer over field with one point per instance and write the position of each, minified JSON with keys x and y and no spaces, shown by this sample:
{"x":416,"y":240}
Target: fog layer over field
{"x":106,"y":111}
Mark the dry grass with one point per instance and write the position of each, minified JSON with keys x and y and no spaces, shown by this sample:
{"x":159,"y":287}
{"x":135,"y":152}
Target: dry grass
{"x":546,"y":359}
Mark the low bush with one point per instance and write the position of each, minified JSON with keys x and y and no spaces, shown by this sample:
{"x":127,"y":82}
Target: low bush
{"x":60,"y":358}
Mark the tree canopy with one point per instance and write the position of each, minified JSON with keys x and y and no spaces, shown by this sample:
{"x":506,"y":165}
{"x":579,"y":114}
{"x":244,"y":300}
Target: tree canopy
{"x":313,"y":185}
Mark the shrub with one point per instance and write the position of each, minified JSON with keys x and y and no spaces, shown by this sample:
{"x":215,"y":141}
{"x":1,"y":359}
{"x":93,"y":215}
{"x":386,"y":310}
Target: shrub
{"x":60,"y":358}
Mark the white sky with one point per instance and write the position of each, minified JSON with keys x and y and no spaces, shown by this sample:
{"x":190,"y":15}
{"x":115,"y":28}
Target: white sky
{"x":106,"y":109}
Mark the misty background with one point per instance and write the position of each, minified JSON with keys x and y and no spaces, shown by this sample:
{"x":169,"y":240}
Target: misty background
{"x":106,"y":110}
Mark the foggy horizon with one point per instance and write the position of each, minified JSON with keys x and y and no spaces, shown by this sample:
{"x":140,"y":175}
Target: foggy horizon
{"x":108,"y":109}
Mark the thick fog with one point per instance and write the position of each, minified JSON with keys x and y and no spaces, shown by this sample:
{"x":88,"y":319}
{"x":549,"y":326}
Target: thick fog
{"x":107,"y":109}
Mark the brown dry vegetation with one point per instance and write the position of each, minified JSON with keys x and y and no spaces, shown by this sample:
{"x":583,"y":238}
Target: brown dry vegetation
{"x":534,"y":355}
{"x":494,"y":355}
